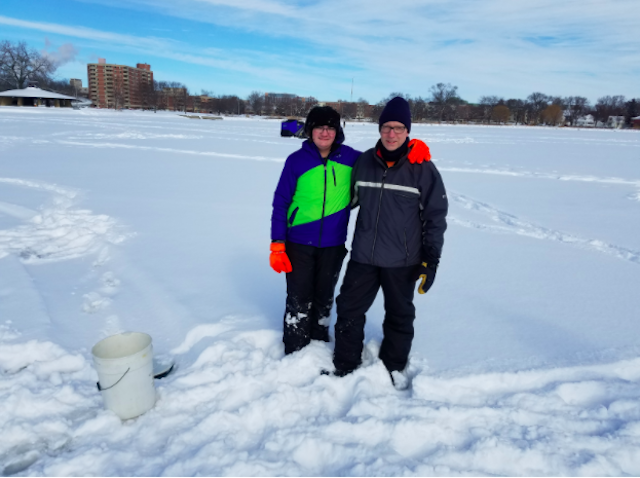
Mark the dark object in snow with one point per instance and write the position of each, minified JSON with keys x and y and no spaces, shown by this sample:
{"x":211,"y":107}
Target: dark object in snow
{"x":336,"y":373}
{"x":292,"y":127}
{"x":164,"y":373}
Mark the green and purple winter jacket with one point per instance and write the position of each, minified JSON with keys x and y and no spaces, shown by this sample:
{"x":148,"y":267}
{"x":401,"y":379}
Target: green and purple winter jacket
{"x":311,"y":204}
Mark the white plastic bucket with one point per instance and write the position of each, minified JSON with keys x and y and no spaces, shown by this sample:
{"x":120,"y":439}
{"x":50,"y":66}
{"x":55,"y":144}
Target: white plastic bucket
{"x":124,"y":363}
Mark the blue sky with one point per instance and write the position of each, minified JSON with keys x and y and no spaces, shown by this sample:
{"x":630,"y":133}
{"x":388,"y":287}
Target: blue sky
{"x":315,"y":48}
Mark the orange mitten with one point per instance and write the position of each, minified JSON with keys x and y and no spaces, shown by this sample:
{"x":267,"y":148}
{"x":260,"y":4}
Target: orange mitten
{"x":279,"y":259}
{"x":418,"y":151}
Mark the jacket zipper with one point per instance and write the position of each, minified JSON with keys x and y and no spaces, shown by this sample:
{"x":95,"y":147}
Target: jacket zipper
{"x":324,"y":201}
{"x":375,"y":236}
{"x":406,"y":247}
{"x":335,"y":182}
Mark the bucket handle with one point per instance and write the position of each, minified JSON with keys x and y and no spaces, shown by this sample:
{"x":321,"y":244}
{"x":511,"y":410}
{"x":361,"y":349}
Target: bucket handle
{"x":103,"y":389}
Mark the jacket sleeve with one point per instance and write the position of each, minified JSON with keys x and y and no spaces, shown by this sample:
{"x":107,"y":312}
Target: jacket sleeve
{"x":434,"y":209}
{"x":282,"y":200}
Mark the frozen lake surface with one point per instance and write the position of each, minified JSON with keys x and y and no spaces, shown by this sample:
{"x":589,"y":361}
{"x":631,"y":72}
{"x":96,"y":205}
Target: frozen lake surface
{"x":526,"y":355}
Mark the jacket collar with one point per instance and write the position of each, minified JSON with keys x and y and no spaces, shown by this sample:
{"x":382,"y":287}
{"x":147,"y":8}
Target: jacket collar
{"x":310,"y":146}
{"x":378,"y":156}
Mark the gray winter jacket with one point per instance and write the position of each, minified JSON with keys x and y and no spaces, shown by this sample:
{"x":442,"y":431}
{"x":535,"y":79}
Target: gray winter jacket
{"x":402,"y":211}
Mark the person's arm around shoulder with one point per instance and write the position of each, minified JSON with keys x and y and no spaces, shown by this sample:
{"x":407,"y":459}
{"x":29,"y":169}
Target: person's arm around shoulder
{"x":354,"y":178}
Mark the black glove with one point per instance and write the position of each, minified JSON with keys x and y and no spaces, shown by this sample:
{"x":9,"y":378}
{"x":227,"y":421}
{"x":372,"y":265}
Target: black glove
{"x":426,"y":275}
{"x":427,"y":270}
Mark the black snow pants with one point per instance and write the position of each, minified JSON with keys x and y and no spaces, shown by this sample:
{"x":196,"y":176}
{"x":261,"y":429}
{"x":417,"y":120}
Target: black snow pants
{"x":310,"y":288}
{"x":359,"y":289}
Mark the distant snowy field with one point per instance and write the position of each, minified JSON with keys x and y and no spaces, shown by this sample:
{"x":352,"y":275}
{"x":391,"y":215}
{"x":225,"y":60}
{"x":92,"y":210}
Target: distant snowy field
{"x":526,"y":355}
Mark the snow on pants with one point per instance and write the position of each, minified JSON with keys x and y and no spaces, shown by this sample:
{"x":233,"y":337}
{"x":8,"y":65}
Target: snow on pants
{"x":310,"y":288}
{"x":359,"y":289}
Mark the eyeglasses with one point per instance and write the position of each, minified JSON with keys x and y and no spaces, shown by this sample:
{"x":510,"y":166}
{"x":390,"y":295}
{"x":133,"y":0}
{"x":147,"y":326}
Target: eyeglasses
{"x":325,"y":129}
{"x":396,"y":129}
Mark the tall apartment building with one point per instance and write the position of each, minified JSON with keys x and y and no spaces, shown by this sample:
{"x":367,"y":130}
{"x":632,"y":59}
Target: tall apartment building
{"x":118,"y":85}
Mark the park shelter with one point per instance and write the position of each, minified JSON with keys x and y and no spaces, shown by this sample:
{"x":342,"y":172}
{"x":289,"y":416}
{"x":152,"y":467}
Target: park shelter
{"x":34,"y":96}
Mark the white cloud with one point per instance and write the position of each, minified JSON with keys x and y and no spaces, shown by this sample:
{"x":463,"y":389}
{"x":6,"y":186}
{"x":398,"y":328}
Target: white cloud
{"x":64,"y":54}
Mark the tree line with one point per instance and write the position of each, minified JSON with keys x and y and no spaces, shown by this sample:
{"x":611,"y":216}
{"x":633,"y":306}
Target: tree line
{"x":445,"y":105}
{"x":19,"y":64}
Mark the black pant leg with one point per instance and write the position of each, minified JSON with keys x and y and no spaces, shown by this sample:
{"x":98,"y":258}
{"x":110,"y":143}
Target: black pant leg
{"x":328,"y":264}
{"x":300,"y":288}
{"x":358,"y":291}
{"x":398,"y":286}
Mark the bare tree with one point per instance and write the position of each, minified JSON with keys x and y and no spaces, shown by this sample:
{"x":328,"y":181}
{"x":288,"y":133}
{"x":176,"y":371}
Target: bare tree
{"x":19,"y":64}
{"x":59,"y":86}
{"x":467,"y":112}
{"x":283,"y":107}
{"x":518,"y":109}
{"x":575,"y":106}
{"x":184,"y":98}
{"x":349,"y":110}
{"x":536,"y":103}
{"x":487,"y":104}
{"x":363,"y":108}
{"x":558,"y":100}
{"x":229,"y":104}
{"x":376,"y":110}
{"x":609,"y":106}
{"x":418,"y":108}
{"x":632,"y":111}
{"x":444,"y":96}
{"x":256,"y":101}
{"x":161,"y":94}
{"x":149,"y":95}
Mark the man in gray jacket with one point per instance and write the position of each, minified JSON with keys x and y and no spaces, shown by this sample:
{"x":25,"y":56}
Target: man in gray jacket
{"x":398,"y":240}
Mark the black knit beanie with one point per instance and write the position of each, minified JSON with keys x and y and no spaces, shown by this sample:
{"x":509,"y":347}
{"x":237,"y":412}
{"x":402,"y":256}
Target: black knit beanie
{"x":322,"y":116}
{"x":396,"y":109}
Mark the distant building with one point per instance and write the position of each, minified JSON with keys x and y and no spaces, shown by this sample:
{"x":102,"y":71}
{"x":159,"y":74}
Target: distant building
{"x":615,"y":121}
{"x":176,"y":98}
{"x":77,"y":85}
{"x":635,"y":122}
{"x":278,"y":97}
{"x":586,"y":121}
{"x":350,"y":110}
{"x":118,"y":85}
{"x":34,"y":96}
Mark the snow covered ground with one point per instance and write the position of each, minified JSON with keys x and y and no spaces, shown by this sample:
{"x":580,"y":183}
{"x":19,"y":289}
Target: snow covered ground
{"x":526,"y":356}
